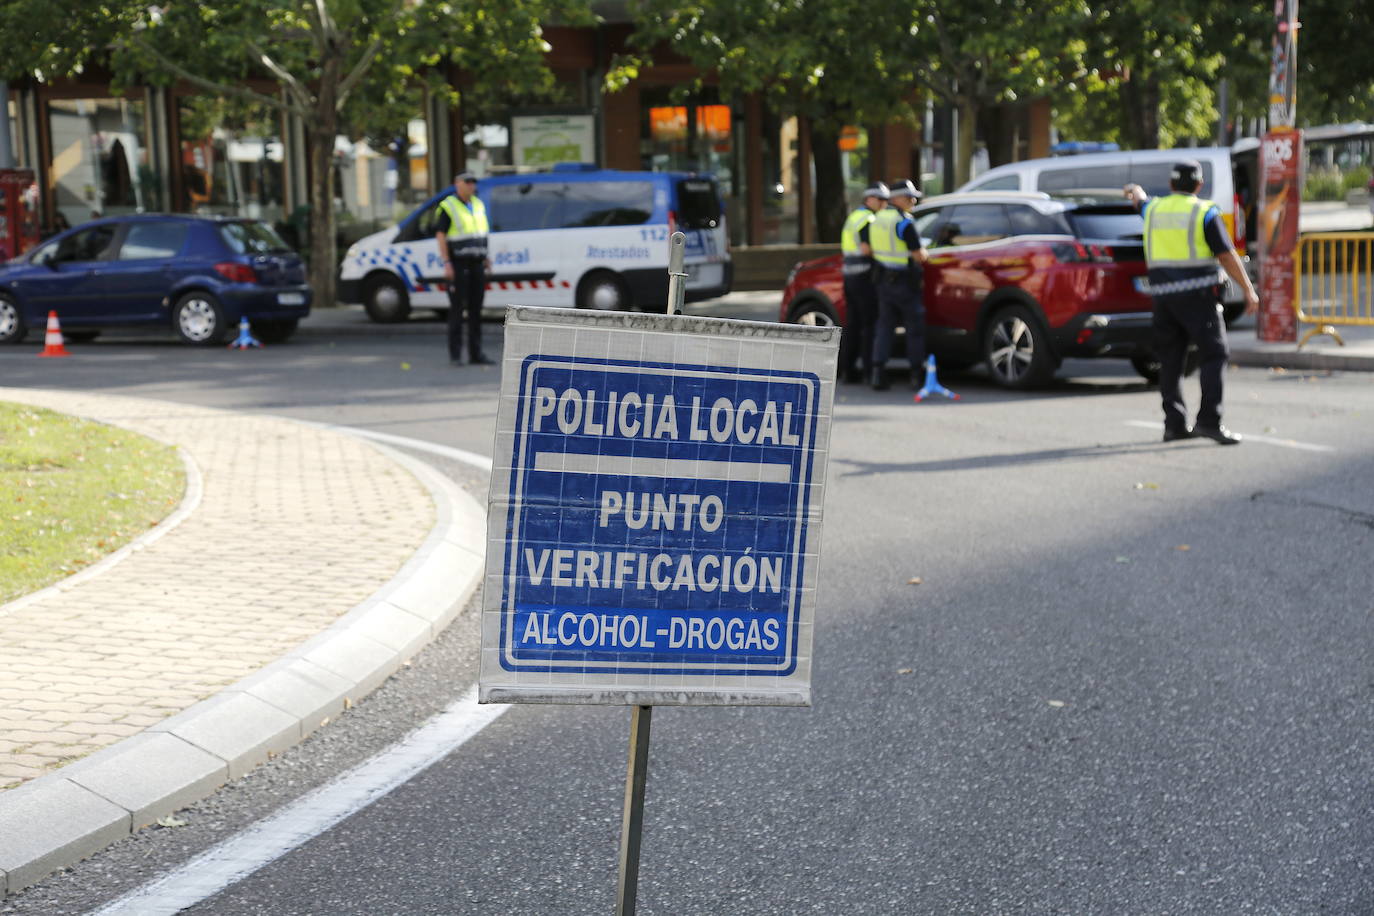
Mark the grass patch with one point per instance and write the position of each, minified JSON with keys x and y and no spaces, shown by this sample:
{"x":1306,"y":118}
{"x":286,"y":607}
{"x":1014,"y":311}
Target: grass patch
{"x":73,"y":491}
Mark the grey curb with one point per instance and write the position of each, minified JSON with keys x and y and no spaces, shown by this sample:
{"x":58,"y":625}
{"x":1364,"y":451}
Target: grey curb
{"x":1283,"y":356}
{"x":64,"y":816}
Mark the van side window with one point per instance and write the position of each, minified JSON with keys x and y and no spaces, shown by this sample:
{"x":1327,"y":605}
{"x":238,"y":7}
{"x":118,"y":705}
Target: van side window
{"x":1109,"y":179}
{"x":422,"y":226}
{"x":1154,"y":177}
{"x":607,"y":203}
{"x":1005,"y":183}
{"x":525,"y":206}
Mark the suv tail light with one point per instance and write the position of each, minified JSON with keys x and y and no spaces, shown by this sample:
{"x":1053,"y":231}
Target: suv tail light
{"x":235,"y":272}
{"x":1078,"y":253}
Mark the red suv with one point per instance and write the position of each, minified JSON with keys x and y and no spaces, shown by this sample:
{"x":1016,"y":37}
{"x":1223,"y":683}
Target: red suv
{"x":1016,"y":280}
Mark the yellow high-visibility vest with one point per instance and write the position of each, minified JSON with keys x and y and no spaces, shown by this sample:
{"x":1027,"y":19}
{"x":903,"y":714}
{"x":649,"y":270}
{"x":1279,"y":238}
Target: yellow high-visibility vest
{"x":849,"y":235}
{"x":1174,"y":235}
{"x":888,"y":248}
{"x":465,"y":221}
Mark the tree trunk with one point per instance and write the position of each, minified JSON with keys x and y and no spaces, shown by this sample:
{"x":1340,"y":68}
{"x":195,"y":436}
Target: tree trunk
{"x":968,"y":139}
{"x":322,"y":131}
{"x":830,"y":203}
{"x":1140,"y":97}
{"x":323,"y":250}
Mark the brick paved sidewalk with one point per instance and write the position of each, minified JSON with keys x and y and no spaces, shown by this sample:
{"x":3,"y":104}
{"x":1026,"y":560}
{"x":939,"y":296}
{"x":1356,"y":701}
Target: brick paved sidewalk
{"x":295,"y":526}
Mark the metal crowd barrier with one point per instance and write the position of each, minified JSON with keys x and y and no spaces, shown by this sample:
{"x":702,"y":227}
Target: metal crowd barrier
{"x":1335,"y":282}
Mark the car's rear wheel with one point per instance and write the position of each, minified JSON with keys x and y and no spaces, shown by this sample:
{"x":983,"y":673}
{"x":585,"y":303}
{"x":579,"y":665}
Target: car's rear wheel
{"x":12,"y":327}
{"x":1017,"y":349}
{"x":274,"y":331}
{"x":813,"y":313}
{"x":385,"y":299}
{"x":198,"y":319}
{"x":604,"y":291}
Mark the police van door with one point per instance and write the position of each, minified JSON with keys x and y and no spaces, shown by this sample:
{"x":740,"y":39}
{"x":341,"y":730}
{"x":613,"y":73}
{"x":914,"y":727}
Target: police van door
{"x":697,"y":212}
{"x":526,"y":254}
{"x":413,"y":256}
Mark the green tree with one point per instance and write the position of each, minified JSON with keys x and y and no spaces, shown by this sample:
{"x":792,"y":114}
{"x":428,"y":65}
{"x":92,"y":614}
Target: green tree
{"x":333,"y":61}
{"x":812,"y":58}
{"x":974,"y":53}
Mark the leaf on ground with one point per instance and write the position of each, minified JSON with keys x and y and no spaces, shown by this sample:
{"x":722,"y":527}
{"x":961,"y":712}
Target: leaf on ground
{"x":1183,"y":547}
{"x":171,"y":821}
{"x":1123,"y":559}
{"x":914,"y":580}
{"x":1147,"y":485}
{"x":405,"y":366}
{"x":905,"y":670}
{"x":1057,"y":704}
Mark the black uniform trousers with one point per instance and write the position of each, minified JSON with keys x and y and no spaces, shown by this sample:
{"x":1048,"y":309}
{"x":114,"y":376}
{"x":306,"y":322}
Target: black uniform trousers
{"x":861,"y":311}
{"x":465,"y":295}
{"x":899,"y":303}
{"x":1178,"y":319}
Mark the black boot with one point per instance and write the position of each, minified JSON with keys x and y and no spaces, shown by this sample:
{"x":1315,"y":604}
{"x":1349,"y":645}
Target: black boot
{"x":878,"y":379}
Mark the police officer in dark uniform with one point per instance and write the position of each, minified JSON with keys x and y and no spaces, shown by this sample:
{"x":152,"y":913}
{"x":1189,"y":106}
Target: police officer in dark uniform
{"x":461,"y":231}
{"x":897,"y":248}
{"x":860,"y":296}
{"x":1185,"y":238}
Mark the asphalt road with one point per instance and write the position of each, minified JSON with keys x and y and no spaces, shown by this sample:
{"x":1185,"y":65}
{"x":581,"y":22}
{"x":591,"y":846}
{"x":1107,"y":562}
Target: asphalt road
{"x":1133,"y":677}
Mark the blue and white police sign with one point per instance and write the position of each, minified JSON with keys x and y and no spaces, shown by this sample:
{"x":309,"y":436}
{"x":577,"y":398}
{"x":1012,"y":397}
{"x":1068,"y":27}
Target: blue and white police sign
{"x":655,"y":510}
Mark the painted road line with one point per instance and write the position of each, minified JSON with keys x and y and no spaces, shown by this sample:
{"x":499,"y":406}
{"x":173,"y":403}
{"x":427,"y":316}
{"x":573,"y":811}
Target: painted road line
{"x":1248,"y":437}
{"x":481,"y":462}
{"x":311,"y":815}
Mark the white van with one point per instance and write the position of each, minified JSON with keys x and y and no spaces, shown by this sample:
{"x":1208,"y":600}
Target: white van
{"x":576,"y":236}
{"x":1228,"y":178}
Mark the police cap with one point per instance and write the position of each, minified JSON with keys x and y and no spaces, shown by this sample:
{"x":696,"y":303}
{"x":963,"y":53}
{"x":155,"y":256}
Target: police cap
{"x":904,"y":188}
{"x":1186,"y":174}
{"x":878,"y":190}
{"x":464,"y":176}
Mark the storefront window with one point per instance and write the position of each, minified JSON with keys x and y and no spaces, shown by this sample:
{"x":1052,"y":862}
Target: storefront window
{"x":231,"y":158}
{"x":382,"y":179}
{"x":99,"y":161}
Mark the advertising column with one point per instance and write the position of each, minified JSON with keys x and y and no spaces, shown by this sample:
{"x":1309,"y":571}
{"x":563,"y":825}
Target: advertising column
{"x":1280,"y":184}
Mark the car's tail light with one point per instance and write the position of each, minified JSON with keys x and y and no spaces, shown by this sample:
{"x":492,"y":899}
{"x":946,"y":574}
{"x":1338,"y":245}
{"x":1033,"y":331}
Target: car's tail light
{"x":1077,"y":253}
{"x":235,"y":272}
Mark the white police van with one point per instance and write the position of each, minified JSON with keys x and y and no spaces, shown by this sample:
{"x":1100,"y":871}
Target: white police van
{"x":576,"y":236}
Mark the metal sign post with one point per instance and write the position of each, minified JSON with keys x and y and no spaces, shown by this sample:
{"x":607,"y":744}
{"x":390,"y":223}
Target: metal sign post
{"x":654,"y":521}
{"x":632,"y":820}
{"x":677,"y":273}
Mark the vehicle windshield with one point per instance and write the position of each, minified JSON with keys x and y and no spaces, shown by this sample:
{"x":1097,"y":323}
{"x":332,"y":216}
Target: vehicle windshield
{"x":1108,"y":224}
{"x":698,"y":205}
{"x":251,"y":237}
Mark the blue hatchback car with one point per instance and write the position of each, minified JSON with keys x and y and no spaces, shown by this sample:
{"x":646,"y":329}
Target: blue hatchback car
{"x":197,"y":275}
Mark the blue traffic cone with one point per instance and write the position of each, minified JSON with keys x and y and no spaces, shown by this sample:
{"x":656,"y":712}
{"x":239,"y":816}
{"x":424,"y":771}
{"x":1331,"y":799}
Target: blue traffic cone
{"x":245,"y":338}
{"x":932,"y":385}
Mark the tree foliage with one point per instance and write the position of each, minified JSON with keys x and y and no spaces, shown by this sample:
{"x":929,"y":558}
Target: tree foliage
{"x":334,"y":63}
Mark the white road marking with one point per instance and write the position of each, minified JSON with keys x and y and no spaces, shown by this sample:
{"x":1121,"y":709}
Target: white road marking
{"x":481,"y":462}
{"x":310,"y":815}
{"x":1248,"y":437}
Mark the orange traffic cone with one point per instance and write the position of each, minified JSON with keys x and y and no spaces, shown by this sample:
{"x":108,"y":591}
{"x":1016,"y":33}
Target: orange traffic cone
{"x":52,"y":341}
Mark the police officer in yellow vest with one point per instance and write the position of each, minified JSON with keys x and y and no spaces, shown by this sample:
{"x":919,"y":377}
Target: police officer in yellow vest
{"x":461,"y":231}
{"x":860,"y":297}
{"x":897,"y":248}
{"x":1185,"y":238}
